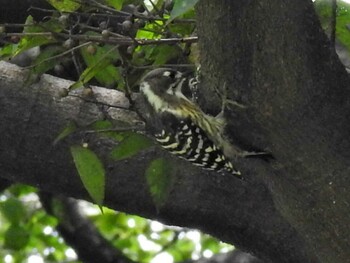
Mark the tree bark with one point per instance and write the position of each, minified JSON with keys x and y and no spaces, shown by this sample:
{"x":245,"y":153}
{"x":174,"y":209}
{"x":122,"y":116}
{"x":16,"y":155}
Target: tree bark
{"x":274,"y":58}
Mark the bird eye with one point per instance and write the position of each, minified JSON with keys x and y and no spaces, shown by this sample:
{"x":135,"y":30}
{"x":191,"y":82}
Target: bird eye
{"x":172,"y":74}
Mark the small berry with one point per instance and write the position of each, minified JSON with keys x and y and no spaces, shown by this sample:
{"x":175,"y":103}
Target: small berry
{"x":87,"y":92}
{"x":91,"y":49}
{"x":130,"y":49}
{"x":69,"y":43}
{"x":63,"y":93}
{"x":63,"y":19}
{"x":127,"y":25}
{"x":58,"y":69}
{"x":105,"y":33}
{"x":129,"y":9}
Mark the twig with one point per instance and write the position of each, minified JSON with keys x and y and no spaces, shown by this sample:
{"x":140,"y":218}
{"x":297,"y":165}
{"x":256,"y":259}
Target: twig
{"x":165,"y":66}
{"x":61,"y":54}
{"x":119,"y":129}
{"x":118,"y":14}
{"x":127,"y":41}
{"x":154,"y":7}
{"x":99,"y":103}
{"x":16,"y":25}
{"x":104,"y":7}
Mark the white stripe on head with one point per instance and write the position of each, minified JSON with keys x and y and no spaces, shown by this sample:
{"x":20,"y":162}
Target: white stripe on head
{"x":152,"y":98}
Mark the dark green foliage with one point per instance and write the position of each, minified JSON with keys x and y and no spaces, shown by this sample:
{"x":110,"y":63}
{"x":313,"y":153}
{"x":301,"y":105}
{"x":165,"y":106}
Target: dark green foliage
{"x":159,"y":176}
{"x":91,"y":172}
{"x":130,"y":146}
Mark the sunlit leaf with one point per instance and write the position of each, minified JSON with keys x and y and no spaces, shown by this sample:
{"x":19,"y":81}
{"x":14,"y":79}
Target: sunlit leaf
{"x":65,"y":5}
{"x":159,"y":179}
{"x":130,"y":146}
{"x":324,"y":11}
{"x":91,"y":172}
{"x":210,"y":243}
{"x":8,"y":51}
{"x":181,"y":7}
{"x":186,"y":246}
{"x":21,"y":189}
{"x":30,"y":41}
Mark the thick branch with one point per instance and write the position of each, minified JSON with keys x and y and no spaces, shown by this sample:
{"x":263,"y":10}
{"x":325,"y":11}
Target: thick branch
{"x":235,"y":211}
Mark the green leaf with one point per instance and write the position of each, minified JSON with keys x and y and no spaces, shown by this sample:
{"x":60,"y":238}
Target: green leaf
{"x":65,"y":5}
{"x":181,"y":7}
{"x":117,"y":4}
{"x":19,"y":190}
{"x":8,"y":51}
{"x":105,"y":128}
{"x":91,"y":172}
{"x":210,"y":243}
{"x":186,"y":246}
{"x":102,"y":125}
{"x":324,"y":11}
{"x":130,"y":146}
{"x":159,"y":179}
{"x":99,"y":61}
{"x":69,"y":129}
{"x":50,"y":25}
{"x":16,"y":237}
{"x":28,"y":41}
{"x":44,"y":61}
{"x":13,"y":210}
{"x":164,"y":53}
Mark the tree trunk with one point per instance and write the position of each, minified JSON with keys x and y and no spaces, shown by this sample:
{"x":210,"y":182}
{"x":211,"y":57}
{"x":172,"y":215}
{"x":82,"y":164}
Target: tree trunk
{"x":274,"y":58}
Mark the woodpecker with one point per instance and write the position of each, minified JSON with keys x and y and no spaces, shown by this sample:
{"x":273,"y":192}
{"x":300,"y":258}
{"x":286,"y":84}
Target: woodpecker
{"x":181,"y":127}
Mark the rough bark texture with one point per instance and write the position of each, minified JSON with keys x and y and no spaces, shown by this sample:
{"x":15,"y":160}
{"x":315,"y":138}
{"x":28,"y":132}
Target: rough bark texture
{"x":275,"y":59}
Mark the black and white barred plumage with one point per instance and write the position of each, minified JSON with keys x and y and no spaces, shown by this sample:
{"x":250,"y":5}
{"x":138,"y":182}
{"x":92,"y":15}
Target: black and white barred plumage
{"x":180,"y":126}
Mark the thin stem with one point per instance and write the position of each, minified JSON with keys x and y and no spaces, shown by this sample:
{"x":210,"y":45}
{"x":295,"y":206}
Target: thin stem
{"x":60,"y":55}
{"x":119,"y":129}
{"x":100,"y":103}
{"x":127,"y":41}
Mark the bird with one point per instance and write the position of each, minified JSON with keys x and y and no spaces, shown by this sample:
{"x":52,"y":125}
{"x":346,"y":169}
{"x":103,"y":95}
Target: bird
{"x":181,"y":127}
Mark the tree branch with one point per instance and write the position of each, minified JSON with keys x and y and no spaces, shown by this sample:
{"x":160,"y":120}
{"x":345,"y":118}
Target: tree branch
{"x":238,"y":212}
{"x":79,"y":232}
